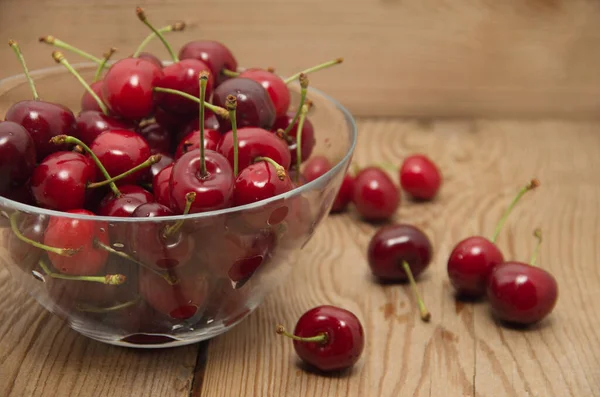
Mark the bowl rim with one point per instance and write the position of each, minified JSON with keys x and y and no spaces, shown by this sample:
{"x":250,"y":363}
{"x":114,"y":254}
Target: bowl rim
{"x":199,"y":215}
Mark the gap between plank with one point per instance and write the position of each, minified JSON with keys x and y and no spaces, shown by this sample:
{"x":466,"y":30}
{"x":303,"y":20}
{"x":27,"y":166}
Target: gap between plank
{"x":199,"y":369}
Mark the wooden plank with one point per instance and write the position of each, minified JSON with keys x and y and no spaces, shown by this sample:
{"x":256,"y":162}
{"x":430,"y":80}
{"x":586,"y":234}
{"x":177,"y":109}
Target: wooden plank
{"x":410,"y":57}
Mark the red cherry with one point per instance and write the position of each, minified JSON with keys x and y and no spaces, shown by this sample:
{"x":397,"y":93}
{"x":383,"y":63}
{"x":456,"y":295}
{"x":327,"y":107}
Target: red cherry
{"x":344,"y":196}
{"x":316,"y":167}
{"x":151,"y":58}
{"x":32,"y":227}
{"x":211,"y":121}
{"x":375,"y":195}
{"x":192,"y":141}
{"x":170,"y":121}
{"x":260,"y":181}
{"x":91,"y":123}
{"x":87,"y":100}
{"x":160,"y":186}
{"x":247,"y":255}
{"x":308,"y":135}
{"x":80,"y":235}
{"x":213,"y":54}
{"x":254,"y":143}
{"x":157,"y":137}
{"x":520,"y":293}
{"x":128,"y":87}
{"x":60,"y":181}
{"x":17,"y":156}
{"x":328,"y":338}
{"x":420,"y":177}
{"x":131,"y":197}
{"x":156,"y":168}
{"x":275,"y":86}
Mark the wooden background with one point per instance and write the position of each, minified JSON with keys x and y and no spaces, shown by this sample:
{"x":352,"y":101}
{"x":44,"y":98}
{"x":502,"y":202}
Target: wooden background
{"x":416,"y":57}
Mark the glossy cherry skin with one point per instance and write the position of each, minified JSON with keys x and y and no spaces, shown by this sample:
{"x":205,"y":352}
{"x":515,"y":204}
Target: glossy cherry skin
{"x":344,"y":196}
{"x":131,"y":197}
{"x":128,"y":87}
{"x":253,"y":143}
{"x":150,"y":244}
{"x":315,"y":167}
{"x":420,"y":177}
{"x":78,"y":234}
{"x":161,"y":186}
{"x":60,"y":181}
{"x":87,"y":100}
{"x":151,"y":58}
{"x":157,"y":137}
{"x":345,"y":338}
{"x":375,"y":196}
{"x":212,"y":53}
{"x":308,"y":135}
{"x":520,"y":293}
{"x":192,"y":141}
{"x":254,"y":106}
{"x":156,"y":168}
{"x":17,"y":156}
{"x":259,"y":181}
{"x":213,"y":191}
{"x":119,"y":151}
{"x":275,"y":86}
{"x":91,"y":123}
{"x":470,"y":264}
{"x":182,"y":76}
{"x":43,"y":121}
{"x":394,"y":244}
{"x":211,"y":121}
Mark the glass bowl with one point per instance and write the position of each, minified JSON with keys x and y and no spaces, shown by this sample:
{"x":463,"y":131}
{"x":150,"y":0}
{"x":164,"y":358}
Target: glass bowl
{"x":232,"y":258}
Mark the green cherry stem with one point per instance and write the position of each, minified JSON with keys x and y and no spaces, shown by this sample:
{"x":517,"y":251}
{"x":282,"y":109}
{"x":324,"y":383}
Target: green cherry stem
{"x":279,"y":168}
{"x":319,"y":338}
{"x":102,"y":65}
{"x":537,"y":233}
{"x":203,"y":82}
{"x":231,"y":105}
{"x":230,"y":73}
{"x":60,"y":251}
{"x":142,"y":17}
{"x":82,"y":307}
{"x":176,"y":27}
{"x":60,"y":58}
{"x":425,"y":315}
{"x":15,"y":46}
{"x":174,"y":228}
{"x":219,"y":111}
{"x":530,"y":186}
{"x":303,"y":91}
{"x":315,"y":69}
{"x":109,"y":279}
{"x":299,"y":138}
{"x":71,"y":140}
{"x":68,"y":47}
{"x":155,"y":158}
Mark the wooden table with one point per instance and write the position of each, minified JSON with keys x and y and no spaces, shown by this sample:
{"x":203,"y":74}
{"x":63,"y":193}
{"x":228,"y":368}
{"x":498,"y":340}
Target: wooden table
{"x":461,"y":352}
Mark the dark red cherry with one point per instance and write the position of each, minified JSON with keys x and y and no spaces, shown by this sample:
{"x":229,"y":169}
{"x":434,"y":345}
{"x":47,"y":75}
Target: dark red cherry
{"x":43,"y":121}
{"x":182,"y":76}
{"x":520,"y":293}
{"x":160,"y":186}
{"x":172,"y":122}
{"x":87,"y":100}
{"x":375,"y":195}
{"x":119,"y":151}
{"x":275,"y":86}
{"x":192,"y":141}
{"x":316,"y":167}
{"x":260,"y":181}
{"x":151,"y":58}
{"x":328,"y":338}
{"x":254,"y":106}
{"x":17,"y":156}
{"x":212,"y":53}
{"x":157,"y":137}
{"x":31,"y":226}
{"x":308,"y":135}
{"x":344,"y":196}
{"x":128,"y":87}
{"x":21,"y":194}
{"x":211,"y":122}
{"x":91,"y":123}
{"x":213,"y":191}
{"x":131,"y":197}
{"x":253,"y":143}
{"x":420,"y":177}
{"x":79,"y":234}
{"x":60,"y":181}
{"x":156,"y":168}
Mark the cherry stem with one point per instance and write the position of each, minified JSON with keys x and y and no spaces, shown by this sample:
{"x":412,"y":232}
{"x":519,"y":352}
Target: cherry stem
{"x":66,"y":46}
{"x":155,"y":158}
{"x":279,"y":168}
{"x":20,"y":236}
{"x":105,"y":60}
{"x":203,"y":82}
{"x":303,"y":91}
{"x":60,"y":58}
{"x":66,"y":139}
{"x":166,"y":277}
{"x":15,"y":46}
{"x":230,"y":73}
{"x":231,"y":105}
{"x":176,"y":27}
{"x":314,"y":69}
{"x":530,"y":186}
{"x":219,"y":111}
{"x":174,"y":228}
{"x":299,"y":139}
{"x":319,"y":338}
{"x":142,"y":17}
{"x":425,"y":315}
{"x":537,"y":233}
{"x":109,"y":279}
{"x":94,"y":309}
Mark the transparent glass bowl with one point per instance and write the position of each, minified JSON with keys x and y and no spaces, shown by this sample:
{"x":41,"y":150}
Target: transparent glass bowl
{"x":237,"y":255}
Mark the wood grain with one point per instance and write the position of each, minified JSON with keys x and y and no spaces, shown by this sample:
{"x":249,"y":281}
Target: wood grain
{"x":403,"y":57}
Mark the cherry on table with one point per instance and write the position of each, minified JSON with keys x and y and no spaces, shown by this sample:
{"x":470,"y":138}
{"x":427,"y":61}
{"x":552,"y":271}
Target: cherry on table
{"x":275,"y":86}
{"x":375,"y":195}
{"x":344,"y":195}
{"x":328,"y":338}
{"x":420,"y":177}
{"x":91,"y":123}
{"x":17,"y":156}
{"x":214,"y":54}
